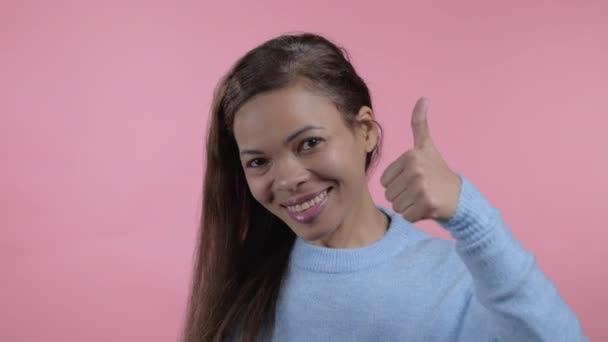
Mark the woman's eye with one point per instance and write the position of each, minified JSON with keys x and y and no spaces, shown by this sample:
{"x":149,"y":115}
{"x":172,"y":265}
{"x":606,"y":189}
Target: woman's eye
{"x":310,"y":143}
{"x":255,"y":163}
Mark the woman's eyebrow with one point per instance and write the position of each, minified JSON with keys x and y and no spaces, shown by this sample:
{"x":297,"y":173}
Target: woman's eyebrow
{"x":243,"y":152}
{"x":289,"y":138}
{"x":295,"y":134}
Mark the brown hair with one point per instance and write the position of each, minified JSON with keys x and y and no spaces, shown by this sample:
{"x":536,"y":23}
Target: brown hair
{"x":243,"y":250}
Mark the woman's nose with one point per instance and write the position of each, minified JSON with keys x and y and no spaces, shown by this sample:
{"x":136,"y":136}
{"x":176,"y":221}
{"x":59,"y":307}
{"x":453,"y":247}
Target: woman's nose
{"x":290,"y":174}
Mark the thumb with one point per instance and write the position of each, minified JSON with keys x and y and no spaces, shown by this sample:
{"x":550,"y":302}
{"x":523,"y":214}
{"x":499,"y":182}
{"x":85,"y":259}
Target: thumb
{"x":420,"y":125}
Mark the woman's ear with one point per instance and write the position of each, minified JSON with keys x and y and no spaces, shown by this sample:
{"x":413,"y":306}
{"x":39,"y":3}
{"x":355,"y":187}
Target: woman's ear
{"x":367,"y":128}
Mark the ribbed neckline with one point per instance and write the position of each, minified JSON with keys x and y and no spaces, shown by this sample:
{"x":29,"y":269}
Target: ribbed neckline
{"x":335,"y":260}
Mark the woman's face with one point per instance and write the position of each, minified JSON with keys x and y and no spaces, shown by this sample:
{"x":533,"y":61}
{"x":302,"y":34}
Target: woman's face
{"x":301,"y":160}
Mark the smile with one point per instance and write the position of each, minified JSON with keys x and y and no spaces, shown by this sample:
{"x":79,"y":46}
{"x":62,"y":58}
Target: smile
{"x":308,"y":204}
{"x":308,"y":211}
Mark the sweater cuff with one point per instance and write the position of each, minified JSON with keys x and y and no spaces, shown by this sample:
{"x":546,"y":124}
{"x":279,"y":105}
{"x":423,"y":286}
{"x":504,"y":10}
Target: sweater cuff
{"x":474,"y":214}
{"x":494,"y":257}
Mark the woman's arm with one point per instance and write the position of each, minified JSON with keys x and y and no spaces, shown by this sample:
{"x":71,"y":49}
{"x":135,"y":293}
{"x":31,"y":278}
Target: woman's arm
{"x":512,"y":299}
{"x":522,"y":303}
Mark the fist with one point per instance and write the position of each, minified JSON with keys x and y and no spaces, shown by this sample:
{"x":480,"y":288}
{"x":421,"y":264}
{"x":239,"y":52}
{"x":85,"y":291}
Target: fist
{"x":419,"y":184}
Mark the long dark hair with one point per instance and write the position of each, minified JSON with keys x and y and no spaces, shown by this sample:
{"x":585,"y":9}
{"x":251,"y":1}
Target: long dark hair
{"x":243,"y":250}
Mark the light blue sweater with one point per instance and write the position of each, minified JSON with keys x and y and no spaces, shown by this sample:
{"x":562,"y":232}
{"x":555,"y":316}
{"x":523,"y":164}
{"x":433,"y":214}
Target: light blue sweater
{"x":409,"y":286}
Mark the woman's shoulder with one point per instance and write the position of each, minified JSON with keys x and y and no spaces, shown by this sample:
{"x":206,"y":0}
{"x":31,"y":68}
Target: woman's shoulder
{"x":412,"y":234}
{"x":423,"y":249}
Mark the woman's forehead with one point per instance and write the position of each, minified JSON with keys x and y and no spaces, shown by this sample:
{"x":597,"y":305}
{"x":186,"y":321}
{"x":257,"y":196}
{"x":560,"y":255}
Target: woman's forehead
{"x":283,"y":111}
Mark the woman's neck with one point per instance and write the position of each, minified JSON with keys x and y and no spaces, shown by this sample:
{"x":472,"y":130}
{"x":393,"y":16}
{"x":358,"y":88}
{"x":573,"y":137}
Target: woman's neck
{"x":364,"y":225}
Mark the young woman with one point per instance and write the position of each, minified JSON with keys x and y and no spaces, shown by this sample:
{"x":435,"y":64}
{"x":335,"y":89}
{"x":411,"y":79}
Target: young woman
{"x":292,"y":246}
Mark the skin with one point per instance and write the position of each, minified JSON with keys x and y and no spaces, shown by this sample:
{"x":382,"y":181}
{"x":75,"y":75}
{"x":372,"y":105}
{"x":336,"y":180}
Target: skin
{"x":419,"y":184}
{"x":332,"y":155}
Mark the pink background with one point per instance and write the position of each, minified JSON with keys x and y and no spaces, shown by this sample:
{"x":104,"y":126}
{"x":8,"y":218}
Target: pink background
{"x":103,"y":109}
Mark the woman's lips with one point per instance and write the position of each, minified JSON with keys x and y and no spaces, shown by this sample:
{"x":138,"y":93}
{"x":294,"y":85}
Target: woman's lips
{"x":300,"y":200}
{"x":310,"y":214}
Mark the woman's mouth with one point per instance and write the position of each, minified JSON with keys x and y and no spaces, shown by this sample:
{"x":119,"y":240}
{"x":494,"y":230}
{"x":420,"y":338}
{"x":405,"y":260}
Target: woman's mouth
{"x":308,"y":211}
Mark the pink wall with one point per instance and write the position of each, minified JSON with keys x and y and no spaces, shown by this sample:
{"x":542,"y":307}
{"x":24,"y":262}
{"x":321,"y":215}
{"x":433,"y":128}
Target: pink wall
{"x":103,"y":108}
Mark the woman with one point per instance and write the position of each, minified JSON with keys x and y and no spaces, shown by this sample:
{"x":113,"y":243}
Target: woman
{"x":293,"y":248}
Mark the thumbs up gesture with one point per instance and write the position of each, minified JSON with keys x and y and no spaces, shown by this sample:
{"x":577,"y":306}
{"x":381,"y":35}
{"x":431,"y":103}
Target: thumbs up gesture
{"x":419,"y":184}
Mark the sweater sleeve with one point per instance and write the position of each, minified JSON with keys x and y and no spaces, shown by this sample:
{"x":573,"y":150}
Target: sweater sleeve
{"x":512,"y":300}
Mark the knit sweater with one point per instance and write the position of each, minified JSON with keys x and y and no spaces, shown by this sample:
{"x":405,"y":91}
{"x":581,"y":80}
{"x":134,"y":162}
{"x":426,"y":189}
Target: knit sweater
{"x":410,"y":286}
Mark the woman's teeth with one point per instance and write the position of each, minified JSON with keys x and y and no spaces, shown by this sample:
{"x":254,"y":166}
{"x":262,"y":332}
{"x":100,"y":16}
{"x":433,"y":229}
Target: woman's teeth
{"x":306,"y":205}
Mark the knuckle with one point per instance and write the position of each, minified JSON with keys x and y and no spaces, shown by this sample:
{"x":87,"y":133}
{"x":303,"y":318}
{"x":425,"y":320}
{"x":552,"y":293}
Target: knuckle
{"x":388,"y":195}
{"x":432,"y":204}
{"x":396,"y":208}
{"x":428,"y":199}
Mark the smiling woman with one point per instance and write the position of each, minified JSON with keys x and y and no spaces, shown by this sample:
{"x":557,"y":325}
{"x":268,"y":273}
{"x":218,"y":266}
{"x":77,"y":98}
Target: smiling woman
{"x":292,"y":246}
{"x":309,"y":169}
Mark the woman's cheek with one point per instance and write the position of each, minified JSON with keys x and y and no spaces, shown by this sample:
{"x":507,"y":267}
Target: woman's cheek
{"x":260,"y":189}
{"x":331,"y":162}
